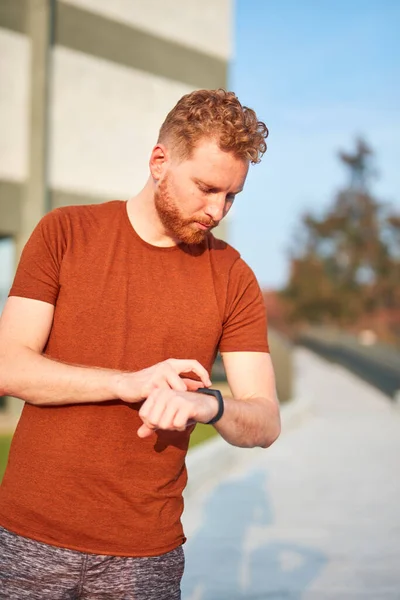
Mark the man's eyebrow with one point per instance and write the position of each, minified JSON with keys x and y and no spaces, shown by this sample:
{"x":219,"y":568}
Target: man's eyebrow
{"x":214,"y":187}
{"x":201,"y":182}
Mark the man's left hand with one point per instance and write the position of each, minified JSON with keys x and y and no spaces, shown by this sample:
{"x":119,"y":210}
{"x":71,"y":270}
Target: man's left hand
{"x":174,"y":410}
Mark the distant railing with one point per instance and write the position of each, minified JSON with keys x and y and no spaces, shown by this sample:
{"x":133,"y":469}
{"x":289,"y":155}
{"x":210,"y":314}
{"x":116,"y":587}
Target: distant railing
{"x":377,"y":363}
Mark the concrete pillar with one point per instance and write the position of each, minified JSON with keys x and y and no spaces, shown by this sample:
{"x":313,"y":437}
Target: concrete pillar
{"x":35,"y":198}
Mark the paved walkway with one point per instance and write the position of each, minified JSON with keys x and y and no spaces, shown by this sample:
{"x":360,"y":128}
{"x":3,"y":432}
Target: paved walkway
{"x":315,"y":517}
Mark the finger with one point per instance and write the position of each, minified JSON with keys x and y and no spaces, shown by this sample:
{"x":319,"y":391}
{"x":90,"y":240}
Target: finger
{"x":184,"y":366}
{"x":157,"y":409}
{"x":180,"y":421}
{"x":175,"y":382}
{"x":145,"y":431}
{"x":146,"y":412}
{"x":192,"y":385}
{"x":167,"y":419}
{"x":148,"y":404}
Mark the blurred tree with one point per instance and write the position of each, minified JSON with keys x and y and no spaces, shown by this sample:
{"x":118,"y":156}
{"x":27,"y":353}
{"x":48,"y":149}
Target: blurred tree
{"x":346,"y":263}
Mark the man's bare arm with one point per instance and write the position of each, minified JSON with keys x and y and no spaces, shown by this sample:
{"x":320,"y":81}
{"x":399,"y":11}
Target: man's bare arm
{"x":27,"y":374}
{"x":252,"y":417}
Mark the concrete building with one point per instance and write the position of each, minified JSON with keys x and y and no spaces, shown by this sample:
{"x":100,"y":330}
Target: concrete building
{"x":84,"y":87}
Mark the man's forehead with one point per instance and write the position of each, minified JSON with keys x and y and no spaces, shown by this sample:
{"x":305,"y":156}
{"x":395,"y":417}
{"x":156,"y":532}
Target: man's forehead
{"x":217,"y":167}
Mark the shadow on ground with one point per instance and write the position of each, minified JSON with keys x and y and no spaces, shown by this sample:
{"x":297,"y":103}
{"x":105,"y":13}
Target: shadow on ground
{"x":233,"y":556}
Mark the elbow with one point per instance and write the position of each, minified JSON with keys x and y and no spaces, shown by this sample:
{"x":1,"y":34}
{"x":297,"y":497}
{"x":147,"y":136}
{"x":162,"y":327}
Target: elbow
{"x":266,"y":437}
{"x":7,"y":360}
{"x":271,"y":436}
{"x":8,"y":385}
{"x":3,"y":379}
{"x":272,"y":430}
{"x":6,"y":370}
{"x":5,"y":388}
{"x":268,"y":430}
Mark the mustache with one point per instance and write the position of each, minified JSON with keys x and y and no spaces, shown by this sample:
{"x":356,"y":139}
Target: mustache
{"x":209,"y":223}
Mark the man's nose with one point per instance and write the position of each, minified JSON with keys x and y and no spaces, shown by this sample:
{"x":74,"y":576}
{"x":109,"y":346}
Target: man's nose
{"x":215,"y":208}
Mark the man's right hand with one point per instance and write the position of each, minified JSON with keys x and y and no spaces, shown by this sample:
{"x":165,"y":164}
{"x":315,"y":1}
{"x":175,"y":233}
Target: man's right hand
{"x":133,"y":387}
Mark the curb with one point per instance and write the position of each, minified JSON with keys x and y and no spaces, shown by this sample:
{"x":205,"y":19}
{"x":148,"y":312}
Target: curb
{"x":208,"y":462}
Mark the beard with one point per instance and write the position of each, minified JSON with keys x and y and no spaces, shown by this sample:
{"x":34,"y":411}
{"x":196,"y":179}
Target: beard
{"x":175,"y":224}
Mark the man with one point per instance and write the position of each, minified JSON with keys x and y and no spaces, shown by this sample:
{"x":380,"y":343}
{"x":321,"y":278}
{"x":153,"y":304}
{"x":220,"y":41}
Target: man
{"x":109,"y":334}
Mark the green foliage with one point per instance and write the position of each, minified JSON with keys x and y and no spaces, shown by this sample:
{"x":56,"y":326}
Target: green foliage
{"x":201,"y":433}
{"x":5,"y":441}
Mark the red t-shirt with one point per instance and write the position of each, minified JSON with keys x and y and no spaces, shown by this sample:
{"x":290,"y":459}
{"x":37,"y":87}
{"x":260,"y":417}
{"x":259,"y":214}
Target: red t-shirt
{"x":78,"y":476}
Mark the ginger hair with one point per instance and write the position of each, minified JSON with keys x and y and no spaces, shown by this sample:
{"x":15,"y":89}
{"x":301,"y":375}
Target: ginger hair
{"x":214,"y":114}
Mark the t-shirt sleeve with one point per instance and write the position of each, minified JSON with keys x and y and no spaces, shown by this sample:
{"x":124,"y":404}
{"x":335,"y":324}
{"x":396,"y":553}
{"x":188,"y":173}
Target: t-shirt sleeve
{"x":38,"y":271}
{"x":245,"y":319}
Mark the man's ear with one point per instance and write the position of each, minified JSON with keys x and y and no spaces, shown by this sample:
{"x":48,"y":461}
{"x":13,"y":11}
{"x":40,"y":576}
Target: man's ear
{"x":158,"y":161}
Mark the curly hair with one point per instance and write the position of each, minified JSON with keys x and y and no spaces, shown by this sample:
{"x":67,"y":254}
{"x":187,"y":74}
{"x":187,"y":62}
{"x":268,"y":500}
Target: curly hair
{"x":214,"y":114}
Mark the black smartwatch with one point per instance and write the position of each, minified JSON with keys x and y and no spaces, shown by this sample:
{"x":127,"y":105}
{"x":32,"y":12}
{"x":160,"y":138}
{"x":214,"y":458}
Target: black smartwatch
{"x":217,"y":394}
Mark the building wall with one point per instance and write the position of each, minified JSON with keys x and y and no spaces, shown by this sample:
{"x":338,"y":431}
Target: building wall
{"x":205,"y":25}
{"x":14,"y":92}
{"x":113,"y":72}
{"x":104,"y":121}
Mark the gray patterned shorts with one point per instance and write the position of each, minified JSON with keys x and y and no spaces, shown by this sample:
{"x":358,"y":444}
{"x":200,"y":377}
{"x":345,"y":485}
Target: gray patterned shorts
{"x":37,"y":571}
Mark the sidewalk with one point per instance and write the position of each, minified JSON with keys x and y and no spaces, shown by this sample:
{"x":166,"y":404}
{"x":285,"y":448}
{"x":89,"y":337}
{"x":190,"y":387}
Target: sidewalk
{"x":316,"y":516}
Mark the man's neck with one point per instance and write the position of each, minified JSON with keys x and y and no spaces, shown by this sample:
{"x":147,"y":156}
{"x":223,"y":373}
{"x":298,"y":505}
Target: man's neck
{"x":144,"y":218}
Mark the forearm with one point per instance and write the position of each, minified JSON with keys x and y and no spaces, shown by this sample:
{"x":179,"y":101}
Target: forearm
{"x":249,"y":423}
{"x":39,"y":380}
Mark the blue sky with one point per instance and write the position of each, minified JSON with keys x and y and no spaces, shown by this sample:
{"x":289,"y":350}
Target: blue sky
{"x":319,"y":73}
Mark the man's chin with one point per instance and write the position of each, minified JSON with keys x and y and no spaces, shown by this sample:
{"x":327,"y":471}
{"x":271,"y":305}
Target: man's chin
{"x":193,"y":237}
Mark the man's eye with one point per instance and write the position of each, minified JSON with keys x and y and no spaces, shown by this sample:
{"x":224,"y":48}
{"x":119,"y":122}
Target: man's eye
{"x":230,"y":198}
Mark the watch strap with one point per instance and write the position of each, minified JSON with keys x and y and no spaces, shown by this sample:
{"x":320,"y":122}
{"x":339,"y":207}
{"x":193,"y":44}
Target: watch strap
{"x":217,"y":394}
